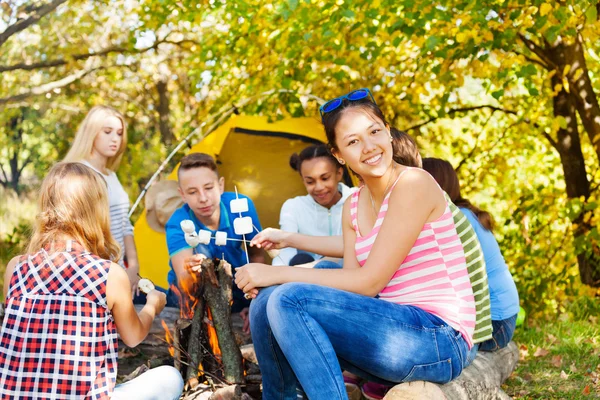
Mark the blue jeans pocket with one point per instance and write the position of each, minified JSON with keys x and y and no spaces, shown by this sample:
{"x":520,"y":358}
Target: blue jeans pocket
{"x":437,"y":372}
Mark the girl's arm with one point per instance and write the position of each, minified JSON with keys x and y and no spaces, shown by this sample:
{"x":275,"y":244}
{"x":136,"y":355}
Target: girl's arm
{"x":288,"y":223}
{"x":133,"y":266}
{"x":131,"y":326}
{"x":415,"y":200}
{"x":8,"y":274}
{"x":270,"y":238}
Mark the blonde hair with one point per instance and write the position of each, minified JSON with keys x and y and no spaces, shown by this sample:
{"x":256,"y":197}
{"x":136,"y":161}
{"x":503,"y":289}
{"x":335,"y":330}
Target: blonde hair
{"x":90,"y":127}
{"x":73,"y":203}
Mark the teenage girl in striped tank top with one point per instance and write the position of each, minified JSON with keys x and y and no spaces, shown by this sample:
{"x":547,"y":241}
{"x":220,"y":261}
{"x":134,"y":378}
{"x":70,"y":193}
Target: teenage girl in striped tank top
{"x":399,"y":310}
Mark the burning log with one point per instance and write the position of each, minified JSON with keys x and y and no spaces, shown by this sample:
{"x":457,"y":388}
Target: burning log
{"x":216,"y":285}
{"x":180,"y":325}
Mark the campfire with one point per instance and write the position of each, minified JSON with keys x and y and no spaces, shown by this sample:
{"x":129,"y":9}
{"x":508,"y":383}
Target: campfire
{"x":203,"y":344}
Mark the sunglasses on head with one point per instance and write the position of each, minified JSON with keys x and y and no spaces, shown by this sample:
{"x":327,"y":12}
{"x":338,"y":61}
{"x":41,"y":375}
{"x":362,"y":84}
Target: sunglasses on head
{"x":354,"y":95}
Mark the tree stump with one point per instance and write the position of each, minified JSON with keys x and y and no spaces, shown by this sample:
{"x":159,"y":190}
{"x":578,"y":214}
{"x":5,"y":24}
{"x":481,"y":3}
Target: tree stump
{"x":479,"y":381}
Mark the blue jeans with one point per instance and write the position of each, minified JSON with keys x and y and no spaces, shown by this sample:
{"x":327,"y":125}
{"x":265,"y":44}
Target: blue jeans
{"x":161,"y":383}
{"x":307,"y":333}
{"x":502,"y":333}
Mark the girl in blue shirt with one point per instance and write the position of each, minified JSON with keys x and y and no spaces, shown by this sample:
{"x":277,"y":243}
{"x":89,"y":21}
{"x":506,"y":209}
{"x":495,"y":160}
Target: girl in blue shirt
{"x":504,"y":298}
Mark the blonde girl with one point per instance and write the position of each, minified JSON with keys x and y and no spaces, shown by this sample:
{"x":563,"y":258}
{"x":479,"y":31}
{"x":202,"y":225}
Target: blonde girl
{"x":100,"y":143}
{"x":66,"y":301}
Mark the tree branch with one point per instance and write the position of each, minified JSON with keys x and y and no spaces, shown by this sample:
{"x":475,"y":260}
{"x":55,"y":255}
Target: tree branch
{"x":25,"y":163}
{"x":48,"y":86}
{"x":4,"y":181}
{"x":35,"y":16}
{"x":537,"y":50}
{"x":79,"y":57}
{"x":461,"y":110}
{"x":530,"y":59}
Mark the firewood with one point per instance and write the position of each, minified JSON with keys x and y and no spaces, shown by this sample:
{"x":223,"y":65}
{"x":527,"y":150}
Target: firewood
{"x":218,"y":299}
{"x":479,"y":381}
{"x":233,"y":392}
{"x":194,"y":345}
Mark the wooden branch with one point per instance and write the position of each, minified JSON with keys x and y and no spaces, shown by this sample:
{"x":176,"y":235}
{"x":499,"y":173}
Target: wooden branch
{"x":533,"y":60}
{"x":461,"y":110}
{"x":537,"y":50}
{"x":78,"y":57}
{"x":218,"y":298}
{"x":194,"y":346}
{"x":5,"y":181}
{"x":36,"y":91}
{"x":25,"y":163}
{"x":479,"y":381}
{"x":35,"y":16}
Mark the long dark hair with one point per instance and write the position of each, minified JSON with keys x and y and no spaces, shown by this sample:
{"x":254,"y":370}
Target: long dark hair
{"x":311,"y":152}
{"x":406,"y":151}
{"x":446,"y":177}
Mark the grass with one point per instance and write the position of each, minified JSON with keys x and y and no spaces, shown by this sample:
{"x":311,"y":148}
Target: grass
{"x":558,"y":360}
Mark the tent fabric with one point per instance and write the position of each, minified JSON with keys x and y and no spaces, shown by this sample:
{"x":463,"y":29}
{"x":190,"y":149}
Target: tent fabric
{"x":252,"y":154}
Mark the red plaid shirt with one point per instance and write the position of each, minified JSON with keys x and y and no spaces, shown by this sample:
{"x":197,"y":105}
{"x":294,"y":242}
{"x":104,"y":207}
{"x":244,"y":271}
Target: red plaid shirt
{"x":58,"y":339}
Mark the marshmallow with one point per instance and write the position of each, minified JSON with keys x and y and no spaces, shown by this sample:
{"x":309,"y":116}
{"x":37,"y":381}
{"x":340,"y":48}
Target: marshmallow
{"x":239,"y":205}
{"x":187,"y":226}
{"x":242,"y":226}
{"x":192,"y":239}
{"x":204,"y":236}
{"x":145,"y":285}
{"x":221,"y":238}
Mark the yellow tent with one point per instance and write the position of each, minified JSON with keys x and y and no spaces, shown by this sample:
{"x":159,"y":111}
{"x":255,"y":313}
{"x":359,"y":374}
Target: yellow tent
{"x":252,"y":154}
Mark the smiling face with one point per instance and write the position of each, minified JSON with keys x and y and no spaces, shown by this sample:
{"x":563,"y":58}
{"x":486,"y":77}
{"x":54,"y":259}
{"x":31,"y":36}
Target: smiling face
{"x":363,"y":141}
{"x":108,"y":141}
{"x":321,"y":178}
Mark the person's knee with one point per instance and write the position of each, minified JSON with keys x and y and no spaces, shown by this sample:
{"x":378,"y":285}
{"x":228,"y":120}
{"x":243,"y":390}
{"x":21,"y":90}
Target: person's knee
{"x":172,"y":380}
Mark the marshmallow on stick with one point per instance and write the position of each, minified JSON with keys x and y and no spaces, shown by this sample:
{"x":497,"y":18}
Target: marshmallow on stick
{"x":145,"y":285}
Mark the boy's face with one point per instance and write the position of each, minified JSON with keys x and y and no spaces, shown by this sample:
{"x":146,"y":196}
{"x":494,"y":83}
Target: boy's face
{"x":201,"y":189}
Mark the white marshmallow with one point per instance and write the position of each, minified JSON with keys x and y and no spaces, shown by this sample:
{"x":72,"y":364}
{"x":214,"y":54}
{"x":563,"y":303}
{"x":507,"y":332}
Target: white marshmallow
{"x":187,"y":226}
{"x":204,"y":236}
{"x":192,"y":239}
{"x":242,"y":226}
{"x":221,"y":238}
{"x":239,"y":205}
{"x":145,"y":285}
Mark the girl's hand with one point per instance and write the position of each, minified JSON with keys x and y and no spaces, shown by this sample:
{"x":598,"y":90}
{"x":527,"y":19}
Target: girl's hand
{"x":270,"y":239}
{"x":252,"y":276}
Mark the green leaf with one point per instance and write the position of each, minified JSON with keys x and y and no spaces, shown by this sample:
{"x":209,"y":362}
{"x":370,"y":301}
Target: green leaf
{"x":591,"y":14}
{"x":348,"y":13}
{"x":431,"y":42}
{"x":293,"y":4}
{"x":497,"y":94}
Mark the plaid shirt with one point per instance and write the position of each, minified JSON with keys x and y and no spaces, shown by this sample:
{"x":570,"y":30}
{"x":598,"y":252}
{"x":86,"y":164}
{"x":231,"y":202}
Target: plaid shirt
{"x":58,"y":338}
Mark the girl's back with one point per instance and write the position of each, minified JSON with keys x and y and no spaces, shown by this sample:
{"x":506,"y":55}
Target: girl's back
{"x":57,"y":325}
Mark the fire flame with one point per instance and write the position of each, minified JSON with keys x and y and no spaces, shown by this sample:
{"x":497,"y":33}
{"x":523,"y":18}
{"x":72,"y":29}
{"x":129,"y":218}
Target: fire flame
{"x":213,"y":340}
{"x":168,"y":337}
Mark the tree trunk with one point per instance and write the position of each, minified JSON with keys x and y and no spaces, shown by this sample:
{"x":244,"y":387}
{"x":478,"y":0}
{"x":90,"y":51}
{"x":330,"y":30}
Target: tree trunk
{"x":583,"y":92}
{"x":163,"y":112}
{"x":479,"y":381}
{"x":568,"y":145}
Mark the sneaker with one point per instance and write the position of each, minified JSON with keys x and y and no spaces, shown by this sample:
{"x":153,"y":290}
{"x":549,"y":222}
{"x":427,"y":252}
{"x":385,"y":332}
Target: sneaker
{"x":352,"y":387}
{"x":374,"y":391}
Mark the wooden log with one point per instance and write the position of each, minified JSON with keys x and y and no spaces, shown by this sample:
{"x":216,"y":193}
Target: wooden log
{"x":233,"y":392}
{"x":218,"y":299}
{"x":479,"y":381}
{"x":194,"y":344}
{"x":178,"y":342}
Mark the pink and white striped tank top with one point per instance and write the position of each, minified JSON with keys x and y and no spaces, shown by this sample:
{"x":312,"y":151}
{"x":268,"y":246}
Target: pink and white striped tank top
{"x":433,"y":276}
